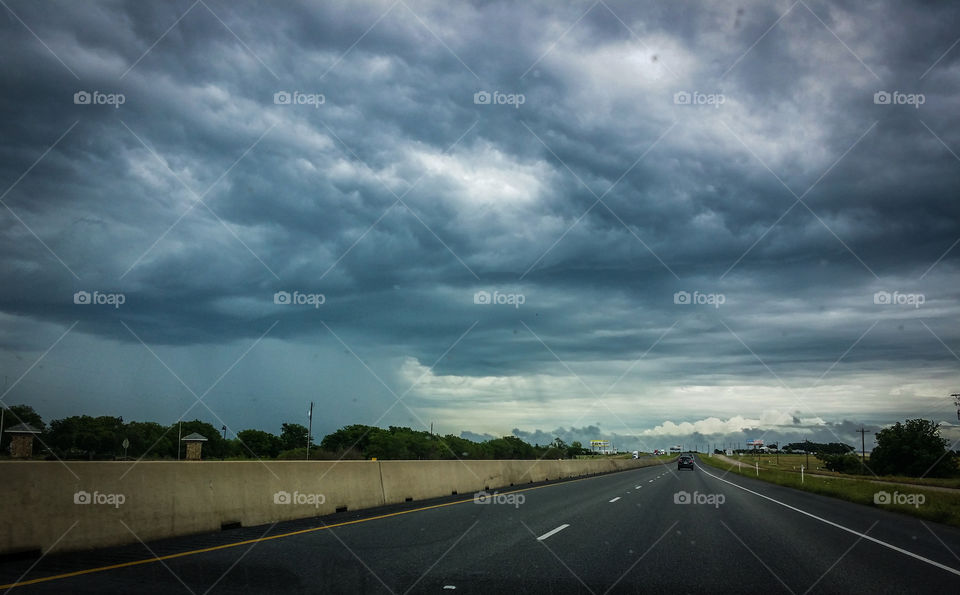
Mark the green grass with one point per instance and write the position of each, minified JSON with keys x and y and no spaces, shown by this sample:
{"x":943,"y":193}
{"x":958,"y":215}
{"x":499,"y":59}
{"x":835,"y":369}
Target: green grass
{"x":792,"y":463}
{"x":937,"y":506}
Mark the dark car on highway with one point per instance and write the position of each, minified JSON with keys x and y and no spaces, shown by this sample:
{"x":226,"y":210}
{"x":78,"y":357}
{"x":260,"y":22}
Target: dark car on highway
{"x":685,"y":461}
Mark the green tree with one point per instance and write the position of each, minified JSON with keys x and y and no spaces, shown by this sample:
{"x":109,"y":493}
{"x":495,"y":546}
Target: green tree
{"x":847,"y":463}
{"x":294,"y":436}
{"x":356,"y":437}
{"x":86,"y":437}
{"x":575,"y":449}
{"x":259,"y":444}
{"x":150,"y":439}
{"x":454,"y":447}
{"x":914,"y":449}
{"x":508,"y":447}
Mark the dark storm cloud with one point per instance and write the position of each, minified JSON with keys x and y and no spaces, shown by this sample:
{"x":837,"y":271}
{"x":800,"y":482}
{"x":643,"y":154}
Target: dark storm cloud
{"x":398,"y":198}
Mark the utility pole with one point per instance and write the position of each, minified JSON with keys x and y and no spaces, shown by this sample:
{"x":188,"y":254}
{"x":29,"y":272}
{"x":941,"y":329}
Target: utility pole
{"x":179,"y":436}
{"x":863,"y":447}
{"x":3,"y":410}
{"x":309,"y":428}
{"x":956,"y":401}
{"x":806,"y":449}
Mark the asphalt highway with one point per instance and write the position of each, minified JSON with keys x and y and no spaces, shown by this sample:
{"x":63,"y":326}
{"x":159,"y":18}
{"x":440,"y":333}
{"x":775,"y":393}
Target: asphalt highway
{"x":623,"y":533}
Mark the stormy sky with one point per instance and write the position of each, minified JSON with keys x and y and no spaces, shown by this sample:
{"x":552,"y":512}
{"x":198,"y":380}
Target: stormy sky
{"x":654,"y":222}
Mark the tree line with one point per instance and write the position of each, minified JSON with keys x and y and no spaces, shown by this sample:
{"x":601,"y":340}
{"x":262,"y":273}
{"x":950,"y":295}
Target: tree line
{"x":101,"y":438}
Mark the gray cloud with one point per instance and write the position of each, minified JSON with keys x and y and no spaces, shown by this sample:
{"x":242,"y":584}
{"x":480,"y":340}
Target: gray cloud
{"x":399,"y":198}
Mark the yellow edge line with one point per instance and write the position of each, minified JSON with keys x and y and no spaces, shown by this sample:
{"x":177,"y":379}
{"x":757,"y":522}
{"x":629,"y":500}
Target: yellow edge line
{"x":259,"y":539}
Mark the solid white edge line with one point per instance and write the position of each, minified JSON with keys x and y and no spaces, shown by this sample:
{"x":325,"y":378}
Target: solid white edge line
{"x":615,"y":499}
{"x":838,"y":526}
{"x":554,"y":532}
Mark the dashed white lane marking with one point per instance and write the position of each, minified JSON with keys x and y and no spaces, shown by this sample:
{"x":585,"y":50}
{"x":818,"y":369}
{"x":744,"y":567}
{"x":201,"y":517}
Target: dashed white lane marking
{"x":554,"y":532}
{"x":615,"y":499}
{"x":638,"y":487}
{"x":839,"y":526}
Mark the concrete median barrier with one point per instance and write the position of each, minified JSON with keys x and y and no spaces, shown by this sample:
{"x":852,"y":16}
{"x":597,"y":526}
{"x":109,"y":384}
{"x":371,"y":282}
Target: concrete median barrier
{"x":83,"y":505}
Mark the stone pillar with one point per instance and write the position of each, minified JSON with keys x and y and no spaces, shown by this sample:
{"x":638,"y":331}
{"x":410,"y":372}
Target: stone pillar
{"x":193,"y":450}
{"x":21,"y":446}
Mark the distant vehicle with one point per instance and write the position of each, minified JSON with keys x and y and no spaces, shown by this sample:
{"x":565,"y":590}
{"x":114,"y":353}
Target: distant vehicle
{"x":636,"y":454}
{"x":685,"y":461}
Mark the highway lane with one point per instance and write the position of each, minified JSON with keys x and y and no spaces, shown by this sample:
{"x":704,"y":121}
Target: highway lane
{"x":621,"y":531}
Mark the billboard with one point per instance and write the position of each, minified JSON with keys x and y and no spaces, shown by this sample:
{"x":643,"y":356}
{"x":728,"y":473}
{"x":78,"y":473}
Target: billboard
{"x":600,"y":445}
